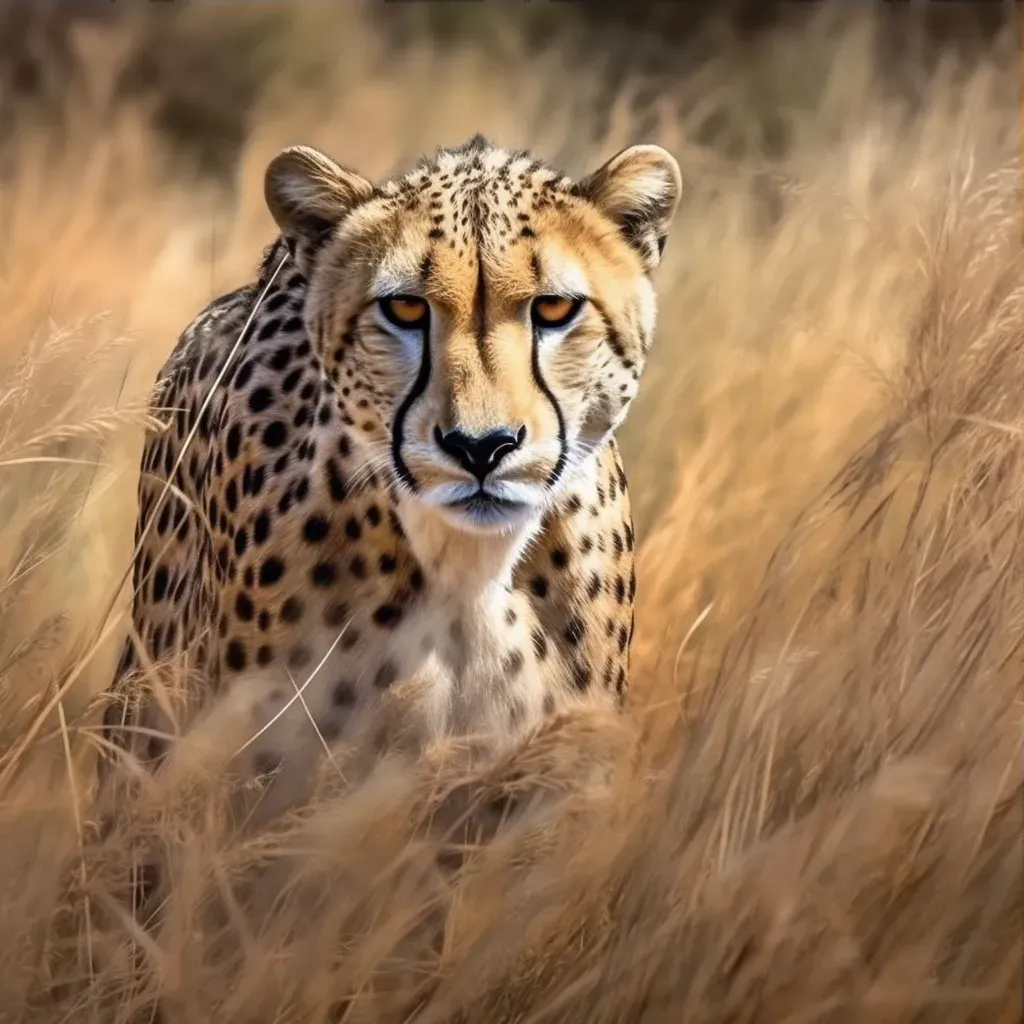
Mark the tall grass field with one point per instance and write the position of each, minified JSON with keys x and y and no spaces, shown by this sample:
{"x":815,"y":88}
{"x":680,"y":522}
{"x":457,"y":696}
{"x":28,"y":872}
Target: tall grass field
{"x":811,"y":812}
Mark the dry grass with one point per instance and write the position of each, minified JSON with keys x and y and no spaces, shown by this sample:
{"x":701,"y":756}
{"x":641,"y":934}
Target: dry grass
{"x":812,"y":812}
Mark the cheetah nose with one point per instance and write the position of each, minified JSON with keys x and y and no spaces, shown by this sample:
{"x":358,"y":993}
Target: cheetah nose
{"x":479,"y":455}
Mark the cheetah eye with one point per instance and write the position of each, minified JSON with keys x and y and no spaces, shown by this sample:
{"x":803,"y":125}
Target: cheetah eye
{"x":554,"y":310}
{"x":405,"y":310}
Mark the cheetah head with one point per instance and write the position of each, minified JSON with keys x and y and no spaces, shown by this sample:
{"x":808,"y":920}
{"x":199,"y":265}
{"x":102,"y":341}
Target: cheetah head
{"x":485,"y":319}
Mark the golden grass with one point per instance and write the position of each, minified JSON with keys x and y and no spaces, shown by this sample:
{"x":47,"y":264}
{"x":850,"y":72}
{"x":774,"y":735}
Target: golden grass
{"x":812,"y":811}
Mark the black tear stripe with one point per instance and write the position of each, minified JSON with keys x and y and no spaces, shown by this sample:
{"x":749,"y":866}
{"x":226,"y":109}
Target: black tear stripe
{"x":418,"y":387}
{"x":542,"y":385}
{"x":538,"y":379}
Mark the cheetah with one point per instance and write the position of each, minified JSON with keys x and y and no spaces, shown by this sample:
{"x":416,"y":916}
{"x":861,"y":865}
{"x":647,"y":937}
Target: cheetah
{"x":393,"y":456}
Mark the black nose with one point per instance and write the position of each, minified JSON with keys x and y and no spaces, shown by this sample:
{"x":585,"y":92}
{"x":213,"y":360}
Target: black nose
{"x":479,"y":455}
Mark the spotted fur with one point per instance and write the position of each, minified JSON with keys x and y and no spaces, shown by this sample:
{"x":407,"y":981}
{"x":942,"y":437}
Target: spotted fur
{"x":300,"y":511}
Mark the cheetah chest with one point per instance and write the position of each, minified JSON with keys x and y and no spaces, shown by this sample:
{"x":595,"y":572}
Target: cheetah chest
{"x":466,"y":659}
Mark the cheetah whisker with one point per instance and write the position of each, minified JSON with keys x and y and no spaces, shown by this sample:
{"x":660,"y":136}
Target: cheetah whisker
{"x":377,"y":459}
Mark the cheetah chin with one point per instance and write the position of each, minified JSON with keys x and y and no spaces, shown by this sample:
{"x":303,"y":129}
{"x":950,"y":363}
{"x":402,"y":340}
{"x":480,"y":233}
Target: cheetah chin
{"x":483,"y":510}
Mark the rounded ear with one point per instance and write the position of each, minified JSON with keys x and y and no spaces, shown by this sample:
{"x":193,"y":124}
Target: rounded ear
{"x":307,"y":193}
{"x":639,"y":190}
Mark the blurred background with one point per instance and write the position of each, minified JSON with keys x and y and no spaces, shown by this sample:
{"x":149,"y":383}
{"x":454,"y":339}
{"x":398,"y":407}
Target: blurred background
{"x":205,"y":67}
{"x":824,"y":464}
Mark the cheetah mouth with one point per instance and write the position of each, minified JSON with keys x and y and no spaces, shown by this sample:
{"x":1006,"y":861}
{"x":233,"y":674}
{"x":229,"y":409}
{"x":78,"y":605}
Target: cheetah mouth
{"x":483,"y":509}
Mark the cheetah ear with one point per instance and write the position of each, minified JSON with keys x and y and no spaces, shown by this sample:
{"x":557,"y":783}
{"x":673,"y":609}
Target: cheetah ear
{"x":307,"y":194}
{"x":639,"y":190}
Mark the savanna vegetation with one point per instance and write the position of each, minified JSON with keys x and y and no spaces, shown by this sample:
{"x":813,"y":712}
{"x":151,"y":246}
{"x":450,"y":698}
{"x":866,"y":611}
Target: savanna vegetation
{"x":812,"y":809}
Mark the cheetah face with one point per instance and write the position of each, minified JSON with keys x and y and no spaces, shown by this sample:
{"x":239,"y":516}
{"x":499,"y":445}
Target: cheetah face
{"x":484,"y":319}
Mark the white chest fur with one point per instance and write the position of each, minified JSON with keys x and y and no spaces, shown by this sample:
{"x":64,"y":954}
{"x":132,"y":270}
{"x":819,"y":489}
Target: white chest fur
{"x":463,"y":653}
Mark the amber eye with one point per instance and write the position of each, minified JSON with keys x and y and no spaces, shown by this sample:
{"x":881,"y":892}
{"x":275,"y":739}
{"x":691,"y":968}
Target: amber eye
{"x":405,"y":310}
{"x":554,"y":310}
